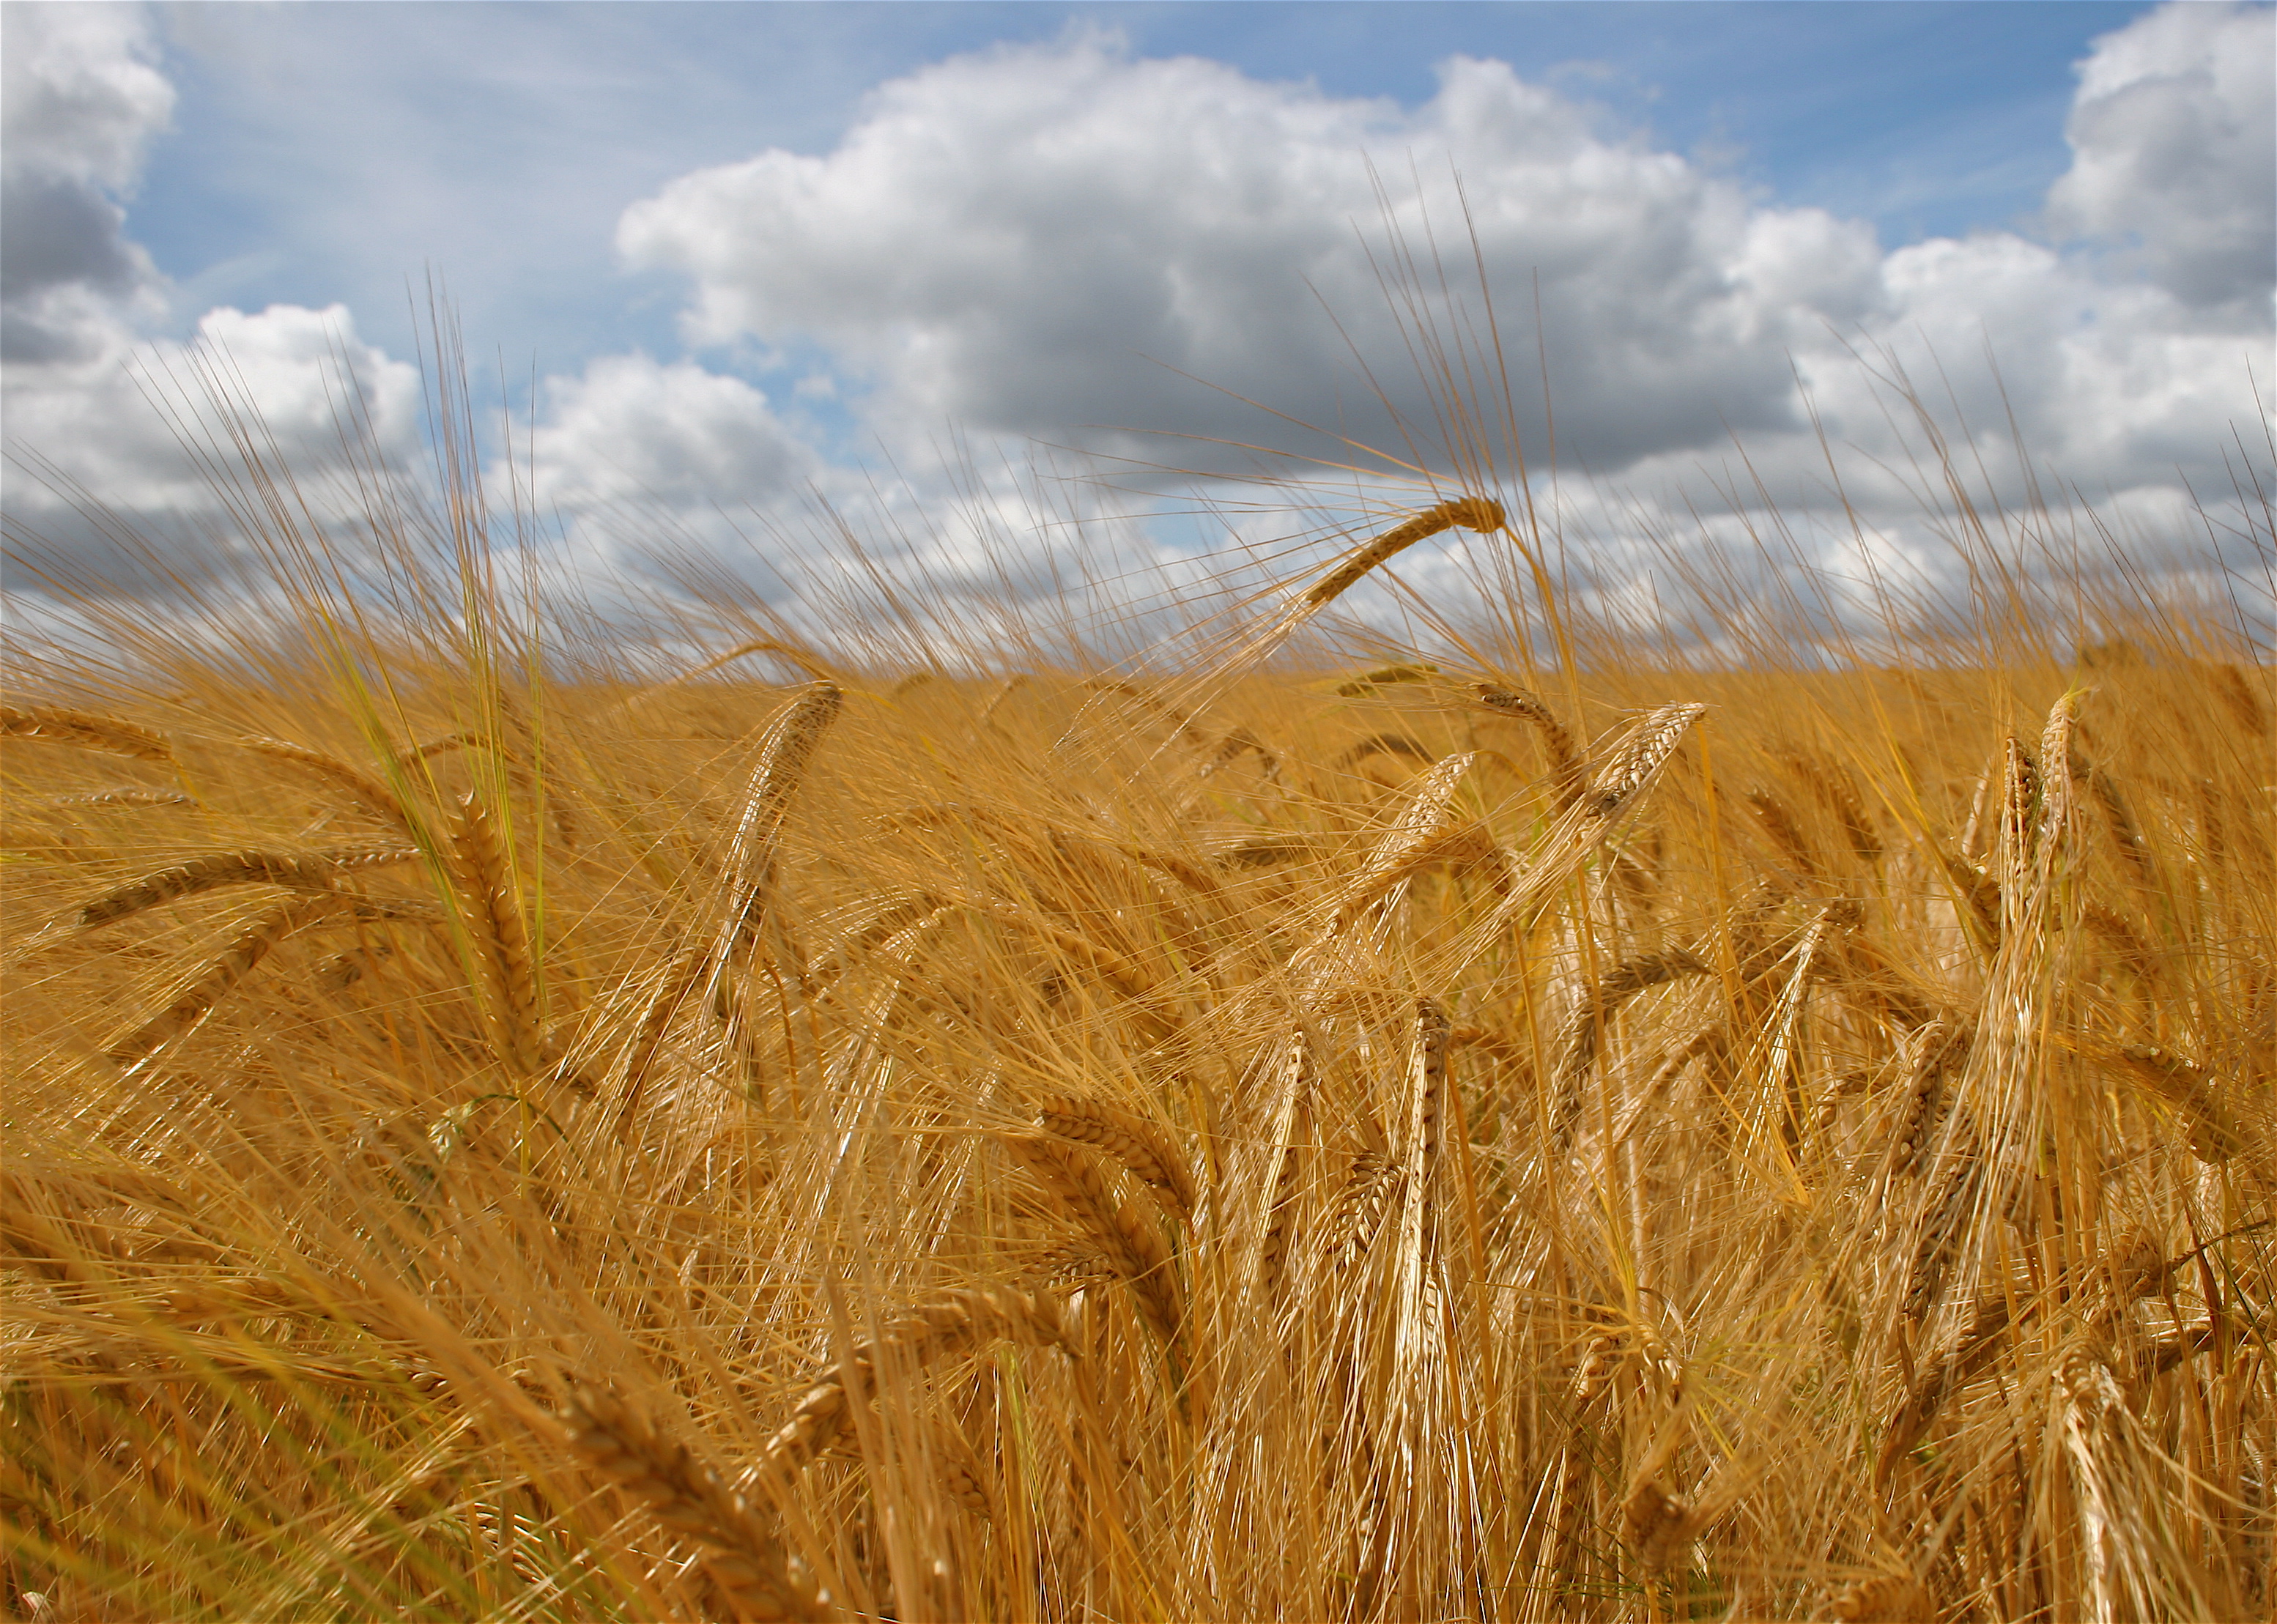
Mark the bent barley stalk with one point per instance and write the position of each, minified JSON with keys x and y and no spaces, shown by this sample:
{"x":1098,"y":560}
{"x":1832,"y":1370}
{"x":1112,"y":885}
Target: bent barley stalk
{"x":701,"y":961}
{"x":366,"y":791}
{"x":1640,"y":756}
{"x":1127,"y":1232}
{"x":1837,"y":791}
{"x":784,"y":753}
{"x":214,"y":983}
{"x":2189,"y":1088}
{"x":1471,"y":512}
{"x":1430,"y":806}
{"x":1584,"y":1030}
{"x":1659,"y":1525}
{"x":1778,"y":822}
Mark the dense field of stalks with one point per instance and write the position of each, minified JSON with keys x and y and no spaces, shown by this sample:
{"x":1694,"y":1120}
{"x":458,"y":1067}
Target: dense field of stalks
{"x":1580,"y":1139}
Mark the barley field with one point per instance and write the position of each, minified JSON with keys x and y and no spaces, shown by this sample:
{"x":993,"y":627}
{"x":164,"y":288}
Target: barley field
{"x":1557,"y":1129}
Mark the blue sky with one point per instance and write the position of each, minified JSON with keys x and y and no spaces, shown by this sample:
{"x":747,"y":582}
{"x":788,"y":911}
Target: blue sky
{"x":746,"y":258}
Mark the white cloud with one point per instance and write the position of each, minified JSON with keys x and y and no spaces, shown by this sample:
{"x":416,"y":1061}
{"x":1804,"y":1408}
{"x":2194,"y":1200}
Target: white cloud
{"x":81,"y":96}
{"x":632,"y":429}
{"x":2174,"y":135}
{"x":642,"y":466}
{"x":112,"y":424}
{"x":139,"y":431}
{"x":1004,"y":239}
{"x":111,"y":435}
{"x":80,"y":101}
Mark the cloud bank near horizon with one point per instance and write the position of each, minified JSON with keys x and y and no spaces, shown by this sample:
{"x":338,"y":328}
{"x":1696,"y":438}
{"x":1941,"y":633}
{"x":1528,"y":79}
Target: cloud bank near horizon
{"x":1129,"y":257}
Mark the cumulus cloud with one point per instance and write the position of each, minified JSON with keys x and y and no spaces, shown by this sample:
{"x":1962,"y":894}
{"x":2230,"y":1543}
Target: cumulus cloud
{"x":116,"y":438}
{"x":1009,"y":242}
{"x":138,"y":433}
{"x":631,"y":428}
{"x":643,"y":466}
{"x":80,"y":101}
{"x":1007,"y":239}
{"x":2173,"y":151}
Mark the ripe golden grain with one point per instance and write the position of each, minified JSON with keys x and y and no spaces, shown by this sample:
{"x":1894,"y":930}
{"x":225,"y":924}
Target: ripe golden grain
{"x":491,"y":902}
{"x":1360,"y":1208}
{"x":1127,"y":1232}
{"x":1309,"y":1319}
{"x":1937,"y":1051}
{"x":1144,"y":1147}
{"x":1837,"y":790}
{"x":124,"y":796}
{"x":1583,"y":1032}
{"x":949,"y":1325}
{"x":216,"y":870}
{"x":1640,"y":756}
{"x":1659,"y":1525}
{"x":1423,"y":817}
{"x":1889,"y":1598}
{"x":1568,"y":771}
{"x":784,"y":753}
{"x":89,"y":731}
{"x":366,"y":791}
{"x":2214,"y":1136}
{"x":215,"y":981}
{"x":742,"y":1554}
{"x":1778,"y":822}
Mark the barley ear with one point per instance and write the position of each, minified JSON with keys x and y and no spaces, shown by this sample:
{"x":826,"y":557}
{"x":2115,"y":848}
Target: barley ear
{"x":1423,"y":818}
{"x":195,"y":1000}
{"x":2245,"y":705}
{"x":1568,"y":770}
{"x":2189,"y":1088}
{"x":366,"y":791}
{"x":741,"y":1552}
{"x":1641,"y":756}
{"x":957,"y":1320}
{"x":217,"y":870}
{"x":490,"y":903}
{"x":1126,"y":1231}
{"x":1778,"y":822}
{"x":1144,"y":1147}
{"x":1584,"y":1029}
{"x":1887,"y":1598}
{"x":1472,"y":512}
{"x":1284,"y":1160}
{"x":784,"y":753}
{"x":85,"y":729}
{"x":1360,"y":1208}
{"x":681,"y":974}
{"x":1659,"y":1526}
